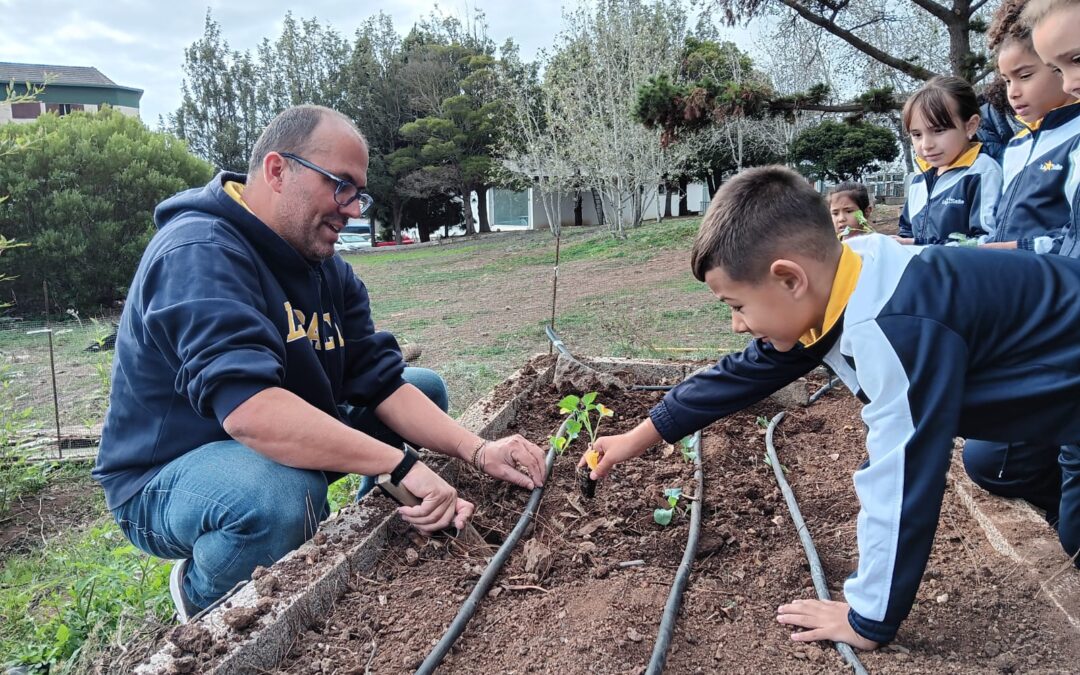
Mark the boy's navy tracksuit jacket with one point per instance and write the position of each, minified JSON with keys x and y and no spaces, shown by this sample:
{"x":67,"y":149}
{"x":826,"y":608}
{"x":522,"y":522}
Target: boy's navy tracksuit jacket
{"x":996,"y":358}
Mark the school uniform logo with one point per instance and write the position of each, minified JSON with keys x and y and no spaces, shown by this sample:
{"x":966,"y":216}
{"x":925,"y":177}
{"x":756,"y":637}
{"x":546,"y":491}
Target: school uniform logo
{"x":952,"y":201}
{"x":1048,"y":165}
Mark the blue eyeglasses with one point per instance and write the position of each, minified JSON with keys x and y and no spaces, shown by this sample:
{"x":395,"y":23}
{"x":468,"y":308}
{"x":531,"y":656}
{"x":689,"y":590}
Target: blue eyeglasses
{"x":346,"y":191}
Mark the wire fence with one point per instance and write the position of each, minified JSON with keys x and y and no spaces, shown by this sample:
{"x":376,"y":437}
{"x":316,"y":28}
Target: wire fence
{"x":54,"y":385}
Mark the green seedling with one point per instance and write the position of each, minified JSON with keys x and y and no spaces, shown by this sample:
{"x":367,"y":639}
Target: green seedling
{"x":664,"y":516}
{"x":686,"y":447}
{"x":580,"y":412}
{"x":763,"y":421}
{"x":961,"y":239}
{"x":862,"y":226}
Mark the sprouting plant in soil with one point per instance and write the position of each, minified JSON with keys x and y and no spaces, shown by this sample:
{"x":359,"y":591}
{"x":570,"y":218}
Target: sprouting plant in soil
{"x":581,"y":413}
{"x":686,"y":447}
{"x":763,"y":422}
{"x":664,"y":516}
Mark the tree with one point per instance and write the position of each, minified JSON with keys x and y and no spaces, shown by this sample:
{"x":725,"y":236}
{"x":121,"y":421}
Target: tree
{"x":603,"y":54}
{"x":83,"y":198}
{"x":840,"y":151}
{"x":452,"y":76}
{"x":219,"y":115}
{"x":863,"y":24}
{"x":535,"y":148}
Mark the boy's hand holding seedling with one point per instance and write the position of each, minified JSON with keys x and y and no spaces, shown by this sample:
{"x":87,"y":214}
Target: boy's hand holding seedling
{"x":579,"y":412}
{"x":612,"y":450}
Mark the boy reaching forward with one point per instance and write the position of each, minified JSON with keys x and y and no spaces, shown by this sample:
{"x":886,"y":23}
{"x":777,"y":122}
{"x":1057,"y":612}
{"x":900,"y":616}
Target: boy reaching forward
{"x":937,"y":343}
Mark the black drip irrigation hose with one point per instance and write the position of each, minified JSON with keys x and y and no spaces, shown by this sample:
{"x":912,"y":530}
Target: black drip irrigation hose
{"x":816,"y":571}
{"x":833,"y":380}
{"x":682,"y":576}
{"x":469,"y":607}
{"x":555,"y":340}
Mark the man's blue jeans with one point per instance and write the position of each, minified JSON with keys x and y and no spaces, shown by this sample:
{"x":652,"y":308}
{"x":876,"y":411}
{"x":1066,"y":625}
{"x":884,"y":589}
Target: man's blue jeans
{"x":229,"y":509}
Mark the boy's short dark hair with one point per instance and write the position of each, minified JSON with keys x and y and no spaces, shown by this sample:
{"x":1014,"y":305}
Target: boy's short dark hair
{"x":759,"y":216}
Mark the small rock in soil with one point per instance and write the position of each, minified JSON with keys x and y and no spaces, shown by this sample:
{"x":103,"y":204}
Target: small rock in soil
{"x":259,"y":573}
{"x":411,"y":556}
{"x":634,"y":636}
{"x":538,"y":558}
{"x":319,"y":538}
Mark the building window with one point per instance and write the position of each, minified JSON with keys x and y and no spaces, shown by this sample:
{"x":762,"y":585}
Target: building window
{"x":25,"y":111}
{"x":62,"y":109}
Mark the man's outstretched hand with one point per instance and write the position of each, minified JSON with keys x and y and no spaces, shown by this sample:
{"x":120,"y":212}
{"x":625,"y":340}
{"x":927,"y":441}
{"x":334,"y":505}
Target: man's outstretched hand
{"x":822,"y":620}
{"x":514,"y":460}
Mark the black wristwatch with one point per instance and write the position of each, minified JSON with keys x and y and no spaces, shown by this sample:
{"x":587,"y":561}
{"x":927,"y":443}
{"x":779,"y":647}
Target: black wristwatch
{"x":405,"y":465}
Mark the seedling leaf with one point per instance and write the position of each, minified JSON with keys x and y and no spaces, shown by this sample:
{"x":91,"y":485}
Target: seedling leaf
{"x":663,"y":516}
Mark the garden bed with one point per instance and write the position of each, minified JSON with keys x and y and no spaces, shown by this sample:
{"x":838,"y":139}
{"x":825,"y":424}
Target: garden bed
{"x":563,"y":602}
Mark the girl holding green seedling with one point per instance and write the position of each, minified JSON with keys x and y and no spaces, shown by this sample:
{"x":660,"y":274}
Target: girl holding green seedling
{"x":849,"y":207}
{"x":953,"y":198}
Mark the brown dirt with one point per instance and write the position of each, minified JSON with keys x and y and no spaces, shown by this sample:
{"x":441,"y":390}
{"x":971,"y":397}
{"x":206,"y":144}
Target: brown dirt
{"x":562,"y":604}
{"x":37,"y":518}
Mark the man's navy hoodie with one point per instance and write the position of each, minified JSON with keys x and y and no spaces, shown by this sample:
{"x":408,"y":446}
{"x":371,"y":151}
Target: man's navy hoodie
{"x":220,"y":309}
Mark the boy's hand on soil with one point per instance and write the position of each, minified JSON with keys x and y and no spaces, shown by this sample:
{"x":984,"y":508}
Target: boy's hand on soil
{"x":822,"y":620}
{"x":514,"y":460}
{"x":439,"y":504}
{"x":613,"y":450}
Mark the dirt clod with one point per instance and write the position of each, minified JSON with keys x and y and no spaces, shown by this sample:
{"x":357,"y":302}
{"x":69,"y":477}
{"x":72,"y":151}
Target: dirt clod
{"x":191,"y":637}
{"x":240,"y":618}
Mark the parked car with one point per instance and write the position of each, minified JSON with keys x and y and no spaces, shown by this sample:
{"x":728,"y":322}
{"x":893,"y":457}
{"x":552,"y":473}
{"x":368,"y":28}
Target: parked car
{"x":352,"y":241}
{"x":405,"y":239}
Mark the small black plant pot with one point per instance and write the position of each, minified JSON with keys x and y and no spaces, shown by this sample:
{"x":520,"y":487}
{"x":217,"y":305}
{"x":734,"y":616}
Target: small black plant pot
{"x":588,"y":485}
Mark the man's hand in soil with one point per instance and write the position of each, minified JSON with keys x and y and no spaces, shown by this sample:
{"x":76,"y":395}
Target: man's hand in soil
{"x":439,"y":504}
{"x":823,"y":620}
{"x":514,"y":460}
{"x":616,"y":449}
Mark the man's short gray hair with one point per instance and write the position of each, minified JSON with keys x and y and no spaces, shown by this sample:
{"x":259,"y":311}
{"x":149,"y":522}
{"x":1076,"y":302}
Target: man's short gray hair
{"x":291,"y":131}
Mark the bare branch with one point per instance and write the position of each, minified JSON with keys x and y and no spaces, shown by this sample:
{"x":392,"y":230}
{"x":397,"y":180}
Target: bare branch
{"x":941,"y":12}
{"x":906,"y":67}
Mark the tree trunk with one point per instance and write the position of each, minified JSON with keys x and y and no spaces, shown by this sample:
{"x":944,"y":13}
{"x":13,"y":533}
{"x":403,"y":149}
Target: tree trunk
{"x":958,"y":23}
{"x":482,"y":207}
{"x":684,"y":208}
{"x":711,"y":184}
{"x":667,"y":200}
{"x":578,"y":221}
{"x":466,"y":203}
{"x":395,"y":219}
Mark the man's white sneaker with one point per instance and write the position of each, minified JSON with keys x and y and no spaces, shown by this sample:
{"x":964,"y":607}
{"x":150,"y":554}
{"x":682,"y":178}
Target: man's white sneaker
{"x":184,"y":609}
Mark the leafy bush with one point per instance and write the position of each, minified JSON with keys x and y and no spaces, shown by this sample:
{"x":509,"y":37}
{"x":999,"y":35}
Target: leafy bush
{"x":842,"y":151}
{"x":82,"y":197}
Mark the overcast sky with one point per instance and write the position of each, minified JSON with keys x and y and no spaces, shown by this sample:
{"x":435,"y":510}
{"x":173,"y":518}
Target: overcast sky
{"x":140,"y":43}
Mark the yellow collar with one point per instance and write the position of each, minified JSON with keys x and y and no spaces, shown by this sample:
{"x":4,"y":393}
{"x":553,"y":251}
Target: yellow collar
{"x":1034,"y":126}
{"x":847,"y":275}
{"x":236,"y":191}
{"x":966,"y":159}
